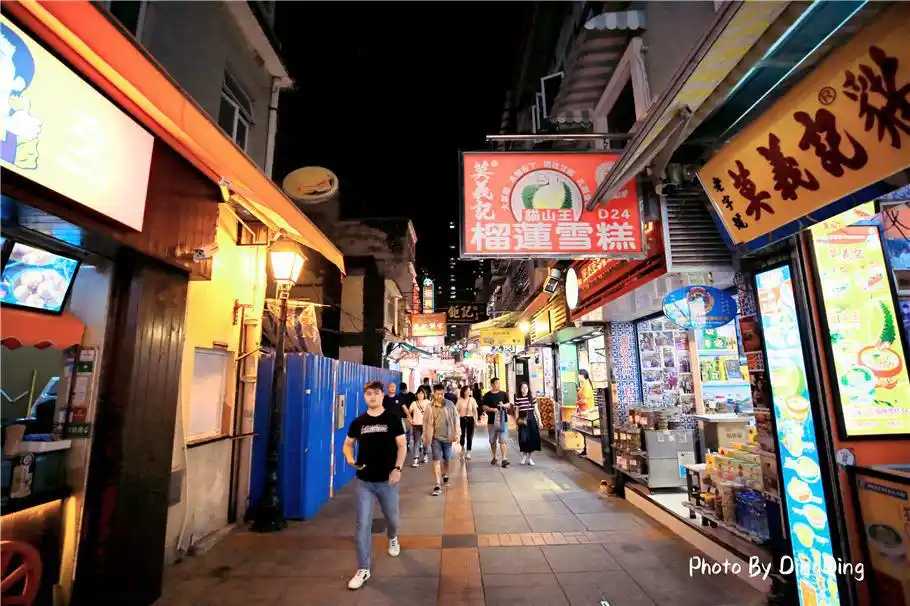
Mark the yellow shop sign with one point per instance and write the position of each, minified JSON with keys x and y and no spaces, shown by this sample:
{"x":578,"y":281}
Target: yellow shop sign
{"x":842,"y":128}
{"x":510,"y":338}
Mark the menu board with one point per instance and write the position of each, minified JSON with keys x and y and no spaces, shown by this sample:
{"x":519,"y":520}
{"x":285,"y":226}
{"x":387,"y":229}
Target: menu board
{"x":864,"y":331}
{"x":36,"y":279}
{"x":666,"y":372}
{"x":884,"y":505}
{"x":804,"y":496}
{"x":568,"y":373}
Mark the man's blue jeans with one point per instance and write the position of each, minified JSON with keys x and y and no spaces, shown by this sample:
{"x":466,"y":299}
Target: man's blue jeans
{"x":388,"y":501}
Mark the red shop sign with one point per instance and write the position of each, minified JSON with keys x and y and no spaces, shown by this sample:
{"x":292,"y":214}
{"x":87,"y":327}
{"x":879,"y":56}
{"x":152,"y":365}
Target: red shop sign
{"x":532,"y":204}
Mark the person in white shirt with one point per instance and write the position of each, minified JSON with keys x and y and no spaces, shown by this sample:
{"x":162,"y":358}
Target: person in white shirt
{"x":467,"y":413}
{"x":417,"y":409}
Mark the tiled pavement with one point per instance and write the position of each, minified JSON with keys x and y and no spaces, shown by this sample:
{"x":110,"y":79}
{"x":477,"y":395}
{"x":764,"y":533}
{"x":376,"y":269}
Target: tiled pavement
{"x":522,"y":535}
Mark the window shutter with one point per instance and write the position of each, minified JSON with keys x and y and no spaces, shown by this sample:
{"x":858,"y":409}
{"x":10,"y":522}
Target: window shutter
{"x":691,"y":238}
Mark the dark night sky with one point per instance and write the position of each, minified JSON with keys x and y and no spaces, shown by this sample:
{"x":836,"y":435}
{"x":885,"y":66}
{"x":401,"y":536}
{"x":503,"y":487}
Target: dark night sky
{"x":387,"y":94}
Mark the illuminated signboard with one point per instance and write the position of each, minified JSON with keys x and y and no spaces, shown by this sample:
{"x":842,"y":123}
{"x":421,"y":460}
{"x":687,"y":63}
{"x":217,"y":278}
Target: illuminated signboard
{"x":533,"y":205}
{"x":804,"y":496}
{"x":864,"y":331}
{"x":60,"y":132}
{"x":428,"y":297}
{"x":428,"y":325}
{"x":833,"y":133}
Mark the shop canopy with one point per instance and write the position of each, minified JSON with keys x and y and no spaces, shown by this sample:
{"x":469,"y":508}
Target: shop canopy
{"x":21,"y":328}
{"x":103,"y":54}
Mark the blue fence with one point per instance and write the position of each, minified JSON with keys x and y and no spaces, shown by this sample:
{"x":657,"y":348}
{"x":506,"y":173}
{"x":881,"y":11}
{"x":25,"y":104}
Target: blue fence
{"x":305,"y":467}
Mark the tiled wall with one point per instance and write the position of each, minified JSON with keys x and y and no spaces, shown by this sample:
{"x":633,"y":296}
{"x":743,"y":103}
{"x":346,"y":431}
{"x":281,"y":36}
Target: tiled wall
{"x":624,"y":362}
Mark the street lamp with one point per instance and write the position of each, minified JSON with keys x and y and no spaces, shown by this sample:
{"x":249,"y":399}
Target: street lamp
{"x":286,"y":260}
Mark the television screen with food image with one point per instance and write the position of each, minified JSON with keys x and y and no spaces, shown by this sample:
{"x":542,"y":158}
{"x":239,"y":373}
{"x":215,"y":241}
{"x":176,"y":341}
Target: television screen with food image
{"x":34,"y":278}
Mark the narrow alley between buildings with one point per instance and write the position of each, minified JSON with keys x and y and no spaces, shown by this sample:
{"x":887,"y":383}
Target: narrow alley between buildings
{"x":521,"y":535}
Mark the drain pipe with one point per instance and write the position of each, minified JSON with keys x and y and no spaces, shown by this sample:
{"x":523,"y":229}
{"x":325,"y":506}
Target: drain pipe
{"x":278,"y":83}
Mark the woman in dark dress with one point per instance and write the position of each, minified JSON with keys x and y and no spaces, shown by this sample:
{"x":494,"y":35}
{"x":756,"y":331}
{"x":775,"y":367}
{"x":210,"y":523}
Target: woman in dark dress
{"x":528,"y":418}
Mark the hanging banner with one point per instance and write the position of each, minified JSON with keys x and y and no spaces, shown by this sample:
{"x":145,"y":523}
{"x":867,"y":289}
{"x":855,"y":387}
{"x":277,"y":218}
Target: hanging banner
{"x":699,"y":307}
{"x":428,"y":325}
{"x":842,"y":128}
{"x":532,"y":204}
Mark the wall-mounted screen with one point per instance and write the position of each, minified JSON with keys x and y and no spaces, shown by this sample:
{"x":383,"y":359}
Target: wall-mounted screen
{"x":864,"y":332}
{"x":35,"y":278}
{"x":804,"y":495}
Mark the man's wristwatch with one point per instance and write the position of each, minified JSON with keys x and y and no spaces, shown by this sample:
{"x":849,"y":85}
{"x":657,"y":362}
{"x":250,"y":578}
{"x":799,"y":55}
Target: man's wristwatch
{"x":398,"y":467}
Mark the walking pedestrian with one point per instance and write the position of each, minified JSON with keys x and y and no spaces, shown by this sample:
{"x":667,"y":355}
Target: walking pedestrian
{"x":495,"y":404}
{"x":478,"y":395}
{"x":381,"y":452}
{"x":418,"y":412}
{"x":450,"y":393}
{"x":406,"y":399}
{"x":440,"y":432}
{"x":467,"y":414}
{"x":527,"y":417}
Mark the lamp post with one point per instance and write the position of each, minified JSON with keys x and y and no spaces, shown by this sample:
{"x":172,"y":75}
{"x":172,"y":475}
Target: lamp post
{"x":286,"y":260}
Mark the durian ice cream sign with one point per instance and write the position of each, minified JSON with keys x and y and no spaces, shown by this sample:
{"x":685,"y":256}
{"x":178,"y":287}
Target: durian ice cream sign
{"x":866,"y":344}
{"x":535,"y":205}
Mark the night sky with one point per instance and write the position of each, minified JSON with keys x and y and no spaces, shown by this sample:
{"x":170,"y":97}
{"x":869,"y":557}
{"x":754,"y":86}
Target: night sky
{"x":387,"y":94}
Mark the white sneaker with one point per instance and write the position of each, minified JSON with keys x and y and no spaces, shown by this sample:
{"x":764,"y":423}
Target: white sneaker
{"x":524,"y":459}
{"x":414,"y":464}
{"x":359,"y":578}
{"x":531,"y":462}
{"x":468,"y":455}
{"x":394,"y":547}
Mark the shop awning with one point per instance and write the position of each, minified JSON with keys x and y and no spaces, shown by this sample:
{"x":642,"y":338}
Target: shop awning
{"x":737,"y":29}
{"x":22,"y":328}
{"x":83,"y":36}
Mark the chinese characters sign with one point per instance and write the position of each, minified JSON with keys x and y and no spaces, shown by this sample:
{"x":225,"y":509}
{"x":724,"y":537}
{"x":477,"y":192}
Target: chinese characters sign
{"x":865,"y":338}
{"x":510,"y":339}
{"x":533,"y":205}
{"x":844,"y":127}
{"x":465,"y":313}
{"x":428,"y":325}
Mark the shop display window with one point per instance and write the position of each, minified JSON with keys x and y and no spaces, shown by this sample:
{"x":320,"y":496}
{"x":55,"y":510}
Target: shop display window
{"x":666,"y":370}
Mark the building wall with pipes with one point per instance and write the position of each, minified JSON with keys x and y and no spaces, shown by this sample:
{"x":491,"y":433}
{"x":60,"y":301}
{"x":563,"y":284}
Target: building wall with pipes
{"x":197,"y":43}
{"x":673,"y":31}
{"x":223,"y":317}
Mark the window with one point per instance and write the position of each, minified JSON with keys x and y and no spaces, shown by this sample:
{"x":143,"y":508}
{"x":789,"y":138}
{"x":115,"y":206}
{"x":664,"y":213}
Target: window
{"x":235,"y":115}
{"x":208,"y":395}
{"x":130,"y":14}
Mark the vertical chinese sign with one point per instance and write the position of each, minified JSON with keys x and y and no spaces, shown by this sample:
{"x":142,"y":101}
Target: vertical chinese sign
{"x":533,"y":205}
{"x":844,"y":127}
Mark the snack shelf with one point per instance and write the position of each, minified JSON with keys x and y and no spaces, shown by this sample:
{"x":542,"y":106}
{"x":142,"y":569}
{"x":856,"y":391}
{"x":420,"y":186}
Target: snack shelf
{"x":712,"y":517}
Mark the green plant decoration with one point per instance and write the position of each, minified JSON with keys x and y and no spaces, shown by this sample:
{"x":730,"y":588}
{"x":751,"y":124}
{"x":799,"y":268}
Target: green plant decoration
{"x":567,"y":200}
{"x":527,"y":195}
{"x":888,"y":330}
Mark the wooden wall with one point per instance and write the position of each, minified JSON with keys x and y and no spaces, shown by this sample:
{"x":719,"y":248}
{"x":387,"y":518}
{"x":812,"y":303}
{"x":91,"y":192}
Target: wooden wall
{"x":123,"y":533}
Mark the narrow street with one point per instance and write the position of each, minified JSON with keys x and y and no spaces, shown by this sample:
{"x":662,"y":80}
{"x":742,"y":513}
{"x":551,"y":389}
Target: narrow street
{"x":523,"y":535}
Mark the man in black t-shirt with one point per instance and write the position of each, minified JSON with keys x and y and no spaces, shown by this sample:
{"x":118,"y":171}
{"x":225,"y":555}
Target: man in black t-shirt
{"x":495,"y":404}
{"x":381,"y":451}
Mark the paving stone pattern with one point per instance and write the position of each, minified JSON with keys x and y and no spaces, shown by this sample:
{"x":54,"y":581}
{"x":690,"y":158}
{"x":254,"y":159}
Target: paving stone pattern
{"x":522,"y":535}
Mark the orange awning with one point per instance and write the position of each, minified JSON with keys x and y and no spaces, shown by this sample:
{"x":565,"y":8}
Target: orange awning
{"x":22,"y":328}
{"x":82,"y":35}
